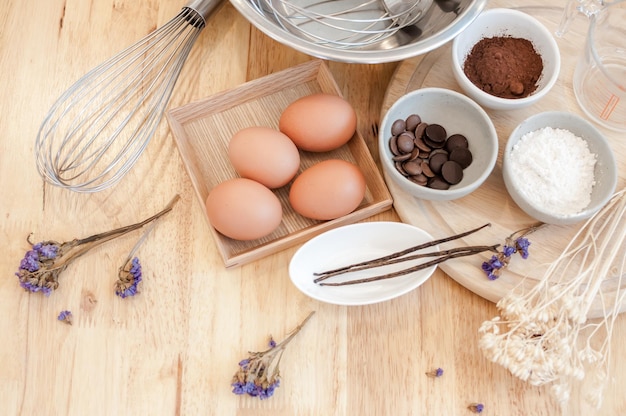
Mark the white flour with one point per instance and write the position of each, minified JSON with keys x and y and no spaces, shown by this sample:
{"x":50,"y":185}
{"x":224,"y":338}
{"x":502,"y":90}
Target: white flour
{"x":554,"y":169}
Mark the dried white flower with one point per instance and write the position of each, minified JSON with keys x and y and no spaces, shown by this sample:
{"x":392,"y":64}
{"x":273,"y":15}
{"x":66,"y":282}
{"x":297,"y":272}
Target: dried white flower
{"x":543,"y":335}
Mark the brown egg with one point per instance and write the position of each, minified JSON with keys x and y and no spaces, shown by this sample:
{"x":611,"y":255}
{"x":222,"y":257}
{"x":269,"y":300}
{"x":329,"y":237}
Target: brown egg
{"x":319,"y":122}
{"x":265,"y":155}
{"x":327,"y":190}
{"x":243,"y":209}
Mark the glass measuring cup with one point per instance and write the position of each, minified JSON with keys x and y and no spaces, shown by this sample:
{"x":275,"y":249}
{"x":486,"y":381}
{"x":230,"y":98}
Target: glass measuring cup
{"x":600,"y":75}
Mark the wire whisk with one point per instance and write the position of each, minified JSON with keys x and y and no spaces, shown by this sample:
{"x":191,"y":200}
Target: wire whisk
{"x":97,"y":129}
{"x":344,"y":24}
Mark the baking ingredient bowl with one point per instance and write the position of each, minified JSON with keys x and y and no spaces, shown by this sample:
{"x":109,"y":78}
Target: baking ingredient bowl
{"x":507,"y":23}
{"x":549,"y":182}
{"x":298,"y":24}
{"x":458,"y":115}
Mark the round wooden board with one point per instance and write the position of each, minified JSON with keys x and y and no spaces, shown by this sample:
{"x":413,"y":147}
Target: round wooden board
{"x":491,"y":202}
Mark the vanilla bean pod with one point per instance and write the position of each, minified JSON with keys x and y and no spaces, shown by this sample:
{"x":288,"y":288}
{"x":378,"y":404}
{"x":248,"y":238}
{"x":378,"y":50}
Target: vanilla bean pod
{"x":408,"y":270}
{"x":405,"y":251}
{"x":379,"y":263}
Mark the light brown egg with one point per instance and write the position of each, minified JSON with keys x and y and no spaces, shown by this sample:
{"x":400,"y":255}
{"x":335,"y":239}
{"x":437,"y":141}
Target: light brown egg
{"x":265,"y":155}
{"x":243,"y":209}
{"x":319,"y":122}
{"x":328,"y":190}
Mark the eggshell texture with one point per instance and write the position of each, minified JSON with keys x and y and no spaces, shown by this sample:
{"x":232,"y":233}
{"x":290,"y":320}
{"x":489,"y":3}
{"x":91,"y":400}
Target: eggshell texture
{"x":327,"y":190}
{"x":243,"y":209}
{"x":319,"y":122}
{"x":265,"y":155}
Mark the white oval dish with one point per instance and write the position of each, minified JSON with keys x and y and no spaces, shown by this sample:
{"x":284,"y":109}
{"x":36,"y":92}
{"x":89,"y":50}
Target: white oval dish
{"x":352,"y":244}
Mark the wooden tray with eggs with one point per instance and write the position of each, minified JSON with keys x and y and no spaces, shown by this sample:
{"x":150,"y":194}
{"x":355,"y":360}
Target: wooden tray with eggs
{"x":203,"y":129}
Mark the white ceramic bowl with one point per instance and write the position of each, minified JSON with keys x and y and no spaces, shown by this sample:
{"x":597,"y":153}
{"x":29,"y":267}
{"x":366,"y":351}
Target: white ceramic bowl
{"x":513,"y":23}
{"x":605,"y":172}
{"x":457,"y":114}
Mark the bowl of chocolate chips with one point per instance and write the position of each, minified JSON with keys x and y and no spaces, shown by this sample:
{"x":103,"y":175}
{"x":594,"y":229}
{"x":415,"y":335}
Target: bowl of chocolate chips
{"x":437,"y":144}
{"x":505,"y":59}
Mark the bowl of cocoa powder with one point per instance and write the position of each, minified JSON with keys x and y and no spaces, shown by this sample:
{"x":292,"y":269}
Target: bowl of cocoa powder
{"x":506,"y":59}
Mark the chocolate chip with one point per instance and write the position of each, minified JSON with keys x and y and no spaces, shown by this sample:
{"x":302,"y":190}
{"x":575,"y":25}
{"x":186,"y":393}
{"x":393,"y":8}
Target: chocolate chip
{"x":400,"y":169}
{"x":437,"y":182}
{"x":452,"y":172}
{"x":462,"y":156}
{"x":456,"y":140}
{"x":426,"y":169}
{"x":402,"y":157}
{"x":393,"y":145}
{"x":412,"y":121}
{"x":412,"y":167}
{"x":420,"y":179}
{"x":419,"y":142}
{"x":436,"y":161}
{"x":436,"y":151}
{"x":405,"y":142}
{"x":419,"y":130}
{"x":398,"y":127}
{"x":433,"y":144}
{"x":436,"y":133}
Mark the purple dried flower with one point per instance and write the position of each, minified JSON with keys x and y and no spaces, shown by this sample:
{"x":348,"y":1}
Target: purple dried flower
{"x":30,"y":262}
{"x":476,"y":407}
{"x":38,"y":271}
{"x":438,"y":372}
{"x":515,"y":243}
{"x":129,"y":277}
{"x":494,"y":266}
{"x":508,"y":251}
{"x":42,"y":265}
{"x":47,"y":249}
{"x":521,"y":245}
{"x":65,"y":316}
{"x":259,"y":375}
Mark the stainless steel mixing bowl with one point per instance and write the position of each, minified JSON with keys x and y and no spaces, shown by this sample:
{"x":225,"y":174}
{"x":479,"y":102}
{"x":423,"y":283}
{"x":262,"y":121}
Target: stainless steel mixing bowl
{"x":440,"y":23}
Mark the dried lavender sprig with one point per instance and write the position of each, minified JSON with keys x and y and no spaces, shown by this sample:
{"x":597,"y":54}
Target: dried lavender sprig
{"x":130,"y":274}
{"x":129,"y":277}
{"x":66,"y":316}
{"x":41,"y":267}
{"x":406,"y":251}
{"x":476,"y":407}
{"x":385,"y":262}
{"x":436,"y":373}
{"x":516,"y":242}
{"x":259,"y":374}
{"x":418,"y":267}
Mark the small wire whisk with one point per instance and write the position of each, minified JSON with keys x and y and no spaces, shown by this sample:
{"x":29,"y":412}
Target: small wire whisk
{"x":98,"y":128}
{"x":344,"y":24}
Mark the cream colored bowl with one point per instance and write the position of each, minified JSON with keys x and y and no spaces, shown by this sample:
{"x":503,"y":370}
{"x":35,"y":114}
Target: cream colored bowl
{"x":457,"y":114}
{"x":605,"y":171}
{"x":513,"y":23}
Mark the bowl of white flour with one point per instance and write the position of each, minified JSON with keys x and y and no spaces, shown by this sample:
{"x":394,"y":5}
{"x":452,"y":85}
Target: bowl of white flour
{"x":559,"y":168}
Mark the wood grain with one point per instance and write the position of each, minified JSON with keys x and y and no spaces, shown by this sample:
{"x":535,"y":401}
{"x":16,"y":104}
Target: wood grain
{"x":173,"y":349}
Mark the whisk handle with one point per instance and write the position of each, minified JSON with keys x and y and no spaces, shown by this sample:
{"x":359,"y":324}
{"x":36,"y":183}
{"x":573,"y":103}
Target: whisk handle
{"x":204,"y":7}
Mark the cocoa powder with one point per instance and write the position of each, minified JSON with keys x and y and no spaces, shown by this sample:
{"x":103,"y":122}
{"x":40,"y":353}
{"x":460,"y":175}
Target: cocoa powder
{"x":504,"y":66}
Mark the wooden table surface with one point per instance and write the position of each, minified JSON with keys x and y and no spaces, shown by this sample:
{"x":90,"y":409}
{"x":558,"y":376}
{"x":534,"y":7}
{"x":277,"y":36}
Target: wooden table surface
{"x":173,"y":348}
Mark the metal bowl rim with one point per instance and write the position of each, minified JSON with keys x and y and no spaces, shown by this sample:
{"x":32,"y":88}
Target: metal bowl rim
{"x":360,"y":56}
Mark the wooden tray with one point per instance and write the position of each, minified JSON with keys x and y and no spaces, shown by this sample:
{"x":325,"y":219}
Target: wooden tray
{"x":491,"y":203}
{"x":203,"y":129}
